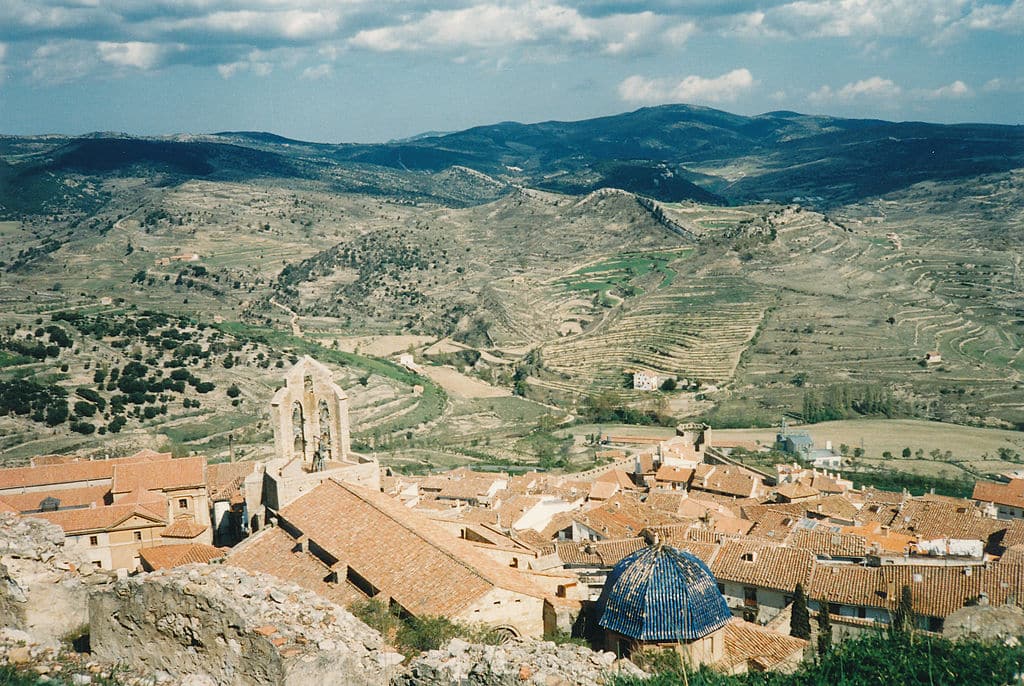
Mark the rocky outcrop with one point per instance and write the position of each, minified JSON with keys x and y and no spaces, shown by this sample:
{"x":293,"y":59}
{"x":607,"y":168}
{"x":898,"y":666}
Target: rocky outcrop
{"x":516,"y":663}
{"x":43,"y":585}
{"x":1002,"y":623}
{"x":234,"y":627}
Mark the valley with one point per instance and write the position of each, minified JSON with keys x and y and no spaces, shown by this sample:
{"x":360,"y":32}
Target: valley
{"x":525,"y":304}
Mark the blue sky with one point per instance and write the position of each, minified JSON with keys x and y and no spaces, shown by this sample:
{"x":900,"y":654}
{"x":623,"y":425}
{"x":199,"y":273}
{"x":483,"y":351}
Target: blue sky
{"x":372,"y":70}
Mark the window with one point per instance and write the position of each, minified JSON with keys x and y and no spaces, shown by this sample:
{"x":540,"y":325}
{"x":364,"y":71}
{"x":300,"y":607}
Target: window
{"x":749,"y":596}
{"x":183,"y":503}
{"x":94,"y":540}
{"x":138,"y":535}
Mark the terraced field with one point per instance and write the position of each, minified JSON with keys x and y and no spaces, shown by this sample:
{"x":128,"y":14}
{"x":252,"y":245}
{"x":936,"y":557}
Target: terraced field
{"x":697,"y":330}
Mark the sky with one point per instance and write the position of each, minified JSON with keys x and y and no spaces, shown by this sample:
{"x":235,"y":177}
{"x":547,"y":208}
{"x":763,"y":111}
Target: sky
{"x":376,"y":70}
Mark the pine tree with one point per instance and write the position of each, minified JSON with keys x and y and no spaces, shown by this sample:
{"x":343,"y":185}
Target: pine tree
{"x":824,"y":627}
{"x":800,"y":620}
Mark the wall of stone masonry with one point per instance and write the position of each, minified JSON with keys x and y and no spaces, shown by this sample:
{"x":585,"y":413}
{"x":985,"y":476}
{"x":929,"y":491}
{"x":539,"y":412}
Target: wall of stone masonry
{"x":236,"y":627}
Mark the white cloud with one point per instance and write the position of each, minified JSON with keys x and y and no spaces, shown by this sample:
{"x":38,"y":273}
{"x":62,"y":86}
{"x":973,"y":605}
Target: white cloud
{"x":256,"y":61}
{"x":1000,"y":85}
{"x":680,"y":33}
{"x":133,"y":54}
{"x":874,"y":87}
{"x":957,"y":89}
{"x":725,"y":88}
{"x":62,"y":61}
{"x":320,"y":71}
{"x":490,"y":26}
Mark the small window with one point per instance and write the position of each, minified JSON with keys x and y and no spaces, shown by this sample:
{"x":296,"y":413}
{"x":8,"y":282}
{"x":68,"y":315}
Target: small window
{"x":138,"y":535}
{"x":183,"y":503}
{"x":748,"y":557}
{"x":94,"y":540}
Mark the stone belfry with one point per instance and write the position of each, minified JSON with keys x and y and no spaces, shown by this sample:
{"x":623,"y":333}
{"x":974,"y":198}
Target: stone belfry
{"x":310,"y":417}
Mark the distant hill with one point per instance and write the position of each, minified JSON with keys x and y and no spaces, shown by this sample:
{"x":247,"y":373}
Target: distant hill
{"x":670,"y":153}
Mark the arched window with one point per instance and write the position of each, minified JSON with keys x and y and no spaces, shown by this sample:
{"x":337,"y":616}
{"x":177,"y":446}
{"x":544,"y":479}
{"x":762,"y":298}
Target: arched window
{"x":298,"y":429}
{"x":325,"y":430}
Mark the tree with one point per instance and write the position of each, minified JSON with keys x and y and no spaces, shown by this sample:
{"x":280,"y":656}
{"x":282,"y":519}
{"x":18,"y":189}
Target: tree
{"x":668,"y":384}
{"x":800,"y":621}
{"x":903,"y":617}
{"x":906,"y":453}
{"x":824,"y":627}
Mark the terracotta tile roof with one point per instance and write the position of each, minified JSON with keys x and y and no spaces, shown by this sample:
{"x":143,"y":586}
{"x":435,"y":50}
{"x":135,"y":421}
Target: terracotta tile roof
{"x":68,"y":497}
{"x":4,"y":507}
{"x":510,"y":510}
{"x":531,"y":539}
{"x":727,"y":480}
{"x":597,"y":553}
{"x":1013,"y":555}
{"x":763,"y":564}
{"x":164,"y":475}
{"x":224,"y":480}
{"x":166,"y":556}
{"x":676,"y":475}
{"x":622,"y":516}
{"x":850,"y":585}
{"x":272,"y":551}
{"x":795,"y":490}
{"x":154,"y":501}
{"x":602,"y":490}
{"x":931,"y":519}
{"x":829,"y":543}
{"x":826,"y":484}
{"x":1009,"y":494}
{"x":560,"y":522}
{"x":747,"y":643}
{"x":92,"y":519}
{"x":388,"y":544}
{"x":1013,"y":534}
{"x":618,"y":477}
{"x":731,"y":526}
{"x":184,"y":528}
{"x":879,"y":539}
{"x":832,"y":506}
{"x":772,"y":523}
{"x":71,"y":472}
{"x":935,"y":591}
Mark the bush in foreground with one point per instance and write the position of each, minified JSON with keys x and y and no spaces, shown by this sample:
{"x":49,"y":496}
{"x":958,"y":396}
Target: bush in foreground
{"x":874,"y":659}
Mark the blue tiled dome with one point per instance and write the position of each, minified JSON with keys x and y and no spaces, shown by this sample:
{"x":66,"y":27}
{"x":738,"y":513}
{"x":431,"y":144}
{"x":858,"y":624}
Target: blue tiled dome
{"x":660,"y":593}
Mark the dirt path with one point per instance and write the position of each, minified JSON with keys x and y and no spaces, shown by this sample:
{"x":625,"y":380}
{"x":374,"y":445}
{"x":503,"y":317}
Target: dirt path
{"x":296,"y":330}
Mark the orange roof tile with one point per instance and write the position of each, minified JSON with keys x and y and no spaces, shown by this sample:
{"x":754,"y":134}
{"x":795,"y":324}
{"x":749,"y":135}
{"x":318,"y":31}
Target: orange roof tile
{"x":68,"y":497}
{"x":91,"y":519}
{"x":184,"y":528}
{"x":273,"y":551}
{"x":71,"y":472}
{"x":387,"y":544}
{"x":763,"y":564}
{"x":166,"y":556}
{"x":748,"y":643}
{"x":224,"y":480}
{"x":1009,"y":494}
{"x":165,"y":475}
{"x":676,"y":475}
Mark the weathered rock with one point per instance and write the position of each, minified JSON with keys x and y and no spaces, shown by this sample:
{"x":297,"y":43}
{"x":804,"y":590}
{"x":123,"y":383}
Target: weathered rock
{"x":517,"y":663}
{"x":219,"y":622}
{"x":41,"y":589}
{"x":985,"y":622}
